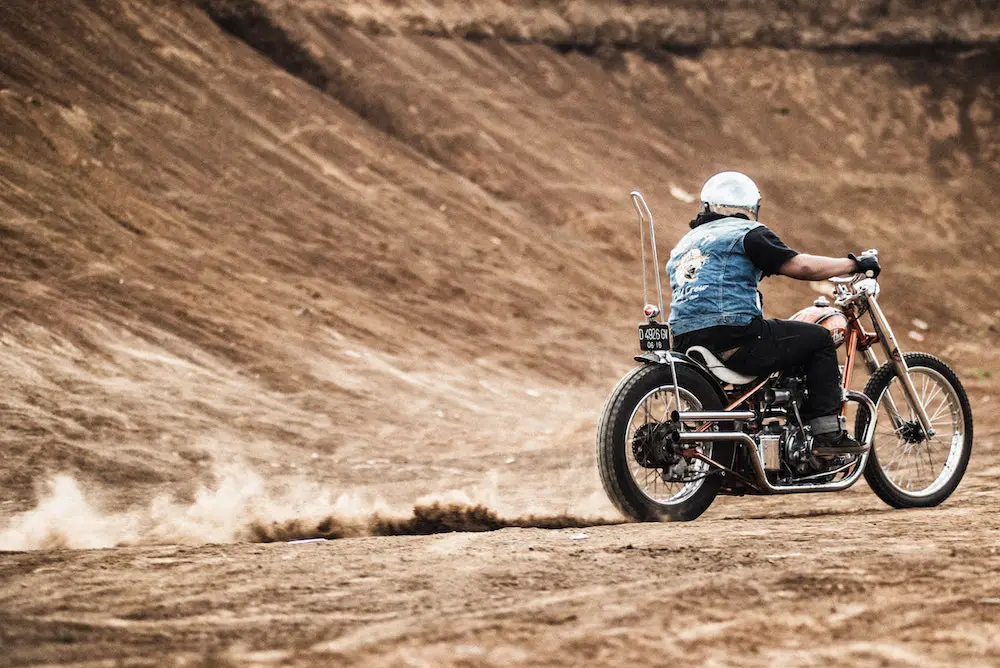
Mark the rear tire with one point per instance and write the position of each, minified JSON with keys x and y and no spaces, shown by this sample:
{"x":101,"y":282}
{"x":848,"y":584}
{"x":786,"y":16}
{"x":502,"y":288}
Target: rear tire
{"x":614,"y":454}
{"x":954,"y":462}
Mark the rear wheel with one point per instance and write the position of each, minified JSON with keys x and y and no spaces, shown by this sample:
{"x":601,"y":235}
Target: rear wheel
{"x":632,"y":428}
{"x":906,"y":469}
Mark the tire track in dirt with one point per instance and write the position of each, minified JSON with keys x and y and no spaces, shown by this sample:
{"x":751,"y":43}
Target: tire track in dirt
{"x":427,"y":519}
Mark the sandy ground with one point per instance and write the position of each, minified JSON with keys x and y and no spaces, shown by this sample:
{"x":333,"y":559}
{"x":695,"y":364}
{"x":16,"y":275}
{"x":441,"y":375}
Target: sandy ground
{"x":275,"y":271}
{"x":804,"y":582}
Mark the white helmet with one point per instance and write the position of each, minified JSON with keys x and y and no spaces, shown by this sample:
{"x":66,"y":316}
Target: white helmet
{"x":731,"y":190}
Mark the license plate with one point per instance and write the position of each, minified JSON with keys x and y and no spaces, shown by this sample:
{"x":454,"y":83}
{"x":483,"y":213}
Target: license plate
{"x":654,"y":336}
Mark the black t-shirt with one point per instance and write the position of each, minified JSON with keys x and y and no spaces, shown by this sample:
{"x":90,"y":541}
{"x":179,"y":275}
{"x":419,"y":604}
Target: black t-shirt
{"x":766,"y":250}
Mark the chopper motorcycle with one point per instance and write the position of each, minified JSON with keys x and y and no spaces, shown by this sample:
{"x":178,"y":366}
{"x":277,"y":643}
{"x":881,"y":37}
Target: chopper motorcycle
{"x":681,"y":428}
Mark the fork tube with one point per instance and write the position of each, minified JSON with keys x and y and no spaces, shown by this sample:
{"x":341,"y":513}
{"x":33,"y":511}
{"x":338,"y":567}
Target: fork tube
{"x":871,"y":361}
{"x":896,"y":357}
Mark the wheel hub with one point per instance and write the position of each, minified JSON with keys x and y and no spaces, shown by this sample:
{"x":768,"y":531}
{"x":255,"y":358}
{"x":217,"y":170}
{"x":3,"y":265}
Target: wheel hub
{"x":653,"y":447}
{"x":912,"y":432}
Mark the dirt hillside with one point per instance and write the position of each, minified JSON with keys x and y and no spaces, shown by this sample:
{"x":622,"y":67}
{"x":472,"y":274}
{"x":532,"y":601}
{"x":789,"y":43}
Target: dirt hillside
{"x":264,"y":261}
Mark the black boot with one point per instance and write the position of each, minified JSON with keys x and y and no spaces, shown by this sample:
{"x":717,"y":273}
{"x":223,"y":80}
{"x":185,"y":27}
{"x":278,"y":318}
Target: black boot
{"x":831,"y":439}
{"x":835,"y":443}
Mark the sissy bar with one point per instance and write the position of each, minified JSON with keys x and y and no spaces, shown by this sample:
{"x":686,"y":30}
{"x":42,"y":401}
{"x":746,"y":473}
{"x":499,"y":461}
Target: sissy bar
{"x":651,"y":312}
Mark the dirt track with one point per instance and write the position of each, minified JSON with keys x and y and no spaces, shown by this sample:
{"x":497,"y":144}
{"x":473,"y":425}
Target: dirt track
{"x":816,"y":581}
{"x":266,"y":263}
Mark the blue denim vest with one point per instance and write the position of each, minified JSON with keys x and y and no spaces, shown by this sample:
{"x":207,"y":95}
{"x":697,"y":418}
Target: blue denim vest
{"x":712,"y":278}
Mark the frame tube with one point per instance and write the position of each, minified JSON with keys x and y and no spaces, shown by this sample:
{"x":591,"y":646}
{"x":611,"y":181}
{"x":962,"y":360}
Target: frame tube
{"x":852,"y":349}
{"x":758,"y":465}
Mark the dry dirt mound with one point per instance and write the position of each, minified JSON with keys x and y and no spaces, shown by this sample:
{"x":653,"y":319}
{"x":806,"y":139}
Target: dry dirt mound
{"x":650,"y":25}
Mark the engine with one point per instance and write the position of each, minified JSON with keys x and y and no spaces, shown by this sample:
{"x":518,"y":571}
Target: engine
{"x":782,"y":444}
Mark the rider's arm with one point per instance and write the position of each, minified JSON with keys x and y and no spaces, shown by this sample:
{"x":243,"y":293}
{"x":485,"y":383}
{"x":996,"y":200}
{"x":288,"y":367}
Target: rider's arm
{"x":807,"y":267}
{"x":766,"y":250}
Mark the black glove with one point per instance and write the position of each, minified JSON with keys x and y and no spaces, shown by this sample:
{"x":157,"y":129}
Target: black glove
{"x":866,"y":264}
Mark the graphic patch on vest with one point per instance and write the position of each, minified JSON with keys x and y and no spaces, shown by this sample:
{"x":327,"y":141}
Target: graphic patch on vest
{"x":689,"y":265}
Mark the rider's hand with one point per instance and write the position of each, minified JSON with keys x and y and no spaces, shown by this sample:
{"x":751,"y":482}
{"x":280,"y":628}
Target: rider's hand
{"x":866,"y":264}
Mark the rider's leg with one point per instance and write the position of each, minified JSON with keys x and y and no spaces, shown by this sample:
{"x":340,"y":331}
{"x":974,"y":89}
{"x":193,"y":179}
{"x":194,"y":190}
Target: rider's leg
{"x":789,"y":344}
{"x":782,"y":345}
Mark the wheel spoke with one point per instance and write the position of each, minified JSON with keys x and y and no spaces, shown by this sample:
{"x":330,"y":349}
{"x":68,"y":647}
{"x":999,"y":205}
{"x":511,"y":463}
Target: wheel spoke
{"x":942,"y":406}
{"x":930,"y":459}
{"x":897,"y":452}
{"x":650,"y":481}
{"x":914,"y":467}
{"x":927,"y":402}
{"x":915,"y":463}
{"x":667,"y":405}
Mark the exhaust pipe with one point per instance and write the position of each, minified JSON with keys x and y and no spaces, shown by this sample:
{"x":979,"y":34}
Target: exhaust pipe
{"x":758,"y":465}
{"x":711,"y":416}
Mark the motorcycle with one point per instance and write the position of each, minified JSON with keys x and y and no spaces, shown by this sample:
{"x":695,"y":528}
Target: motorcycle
{"x":681,"y":428}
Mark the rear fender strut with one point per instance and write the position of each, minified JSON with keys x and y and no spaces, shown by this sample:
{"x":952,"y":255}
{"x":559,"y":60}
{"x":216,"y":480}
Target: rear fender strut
{"x":680,"y":359}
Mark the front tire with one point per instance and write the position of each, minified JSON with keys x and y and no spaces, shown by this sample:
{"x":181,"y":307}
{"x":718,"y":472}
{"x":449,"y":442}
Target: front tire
{"x":621,"y":472}
{"x":903,"y":470}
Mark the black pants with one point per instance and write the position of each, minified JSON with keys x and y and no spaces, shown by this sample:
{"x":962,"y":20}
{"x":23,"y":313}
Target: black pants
{"x":765,"y":346}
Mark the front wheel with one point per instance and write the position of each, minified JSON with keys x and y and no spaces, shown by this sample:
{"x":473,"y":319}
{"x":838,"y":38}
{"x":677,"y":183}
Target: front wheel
{"x":906,"y":469}
{"x":638,"y":479}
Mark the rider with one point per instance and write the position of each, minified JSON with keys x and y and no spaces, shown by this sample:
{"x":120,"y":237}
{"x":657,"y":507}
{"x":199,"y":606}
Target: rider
{"x":714,"y":272}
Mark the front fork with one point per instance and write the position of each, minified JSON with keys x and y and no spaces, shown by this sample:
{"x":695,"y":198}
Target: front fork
{"x":888,"y":339}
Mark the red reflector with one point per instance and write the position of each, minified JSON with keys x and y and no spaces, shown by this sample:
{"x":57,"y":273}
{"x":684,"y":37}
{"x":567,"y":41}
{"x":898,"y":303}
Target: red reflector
{"x":649,"y":310}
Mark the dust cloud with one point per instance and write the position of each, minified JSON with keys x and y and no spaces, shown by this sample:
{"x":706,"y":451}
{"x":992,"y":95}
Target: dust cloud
{"x":239,"y":506}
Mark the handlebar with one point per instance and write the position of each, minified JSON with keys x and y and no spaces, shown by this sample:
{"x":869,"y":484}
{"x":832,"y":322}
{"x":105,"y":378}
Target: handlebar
{"x":854,"y":278}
